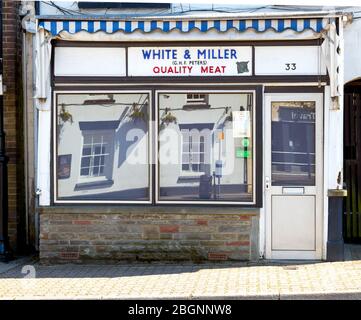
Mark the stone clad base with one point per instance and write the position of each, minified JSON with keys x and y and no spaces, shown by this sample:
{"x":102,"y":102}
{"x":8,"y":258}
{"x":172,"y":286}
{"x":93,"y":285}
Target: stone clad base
{"x":69,"y":234}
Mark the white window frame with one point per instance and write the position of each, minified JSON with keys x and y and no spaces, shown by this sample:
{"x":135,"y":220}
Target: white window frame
{"x":198,"y":100}
{"x":109,"y":137}
{"x":190,"y":153}
{"x":55,"y":146}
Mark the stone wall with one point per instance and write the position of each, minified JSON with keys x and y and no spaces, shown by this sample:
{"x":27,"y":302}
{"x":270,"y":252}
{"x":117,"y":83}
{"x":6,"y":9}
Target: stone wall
{"x":148,"y":234}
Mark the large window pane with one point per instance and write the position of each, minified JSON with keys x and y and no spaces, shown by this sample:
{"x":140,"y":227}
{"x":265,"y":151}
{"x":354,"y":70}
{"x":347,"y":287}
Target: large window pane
{"x":205,"y":146}
{"x":293,"y":143}
{"x":102,"y":146}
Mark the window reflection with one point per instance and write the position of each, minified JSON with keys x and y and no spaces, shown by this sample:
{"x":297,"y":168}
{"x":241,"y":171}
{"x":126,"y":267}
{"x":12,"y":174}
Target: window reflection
{"x":203,"y":155}
{"x":293,"y":143}
{"x":102,"y":147}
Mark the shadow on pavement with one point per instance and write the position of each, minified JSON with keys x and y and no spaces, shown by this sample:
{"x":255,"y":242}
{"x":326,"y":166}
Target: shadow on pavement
{"x":100,"y":270}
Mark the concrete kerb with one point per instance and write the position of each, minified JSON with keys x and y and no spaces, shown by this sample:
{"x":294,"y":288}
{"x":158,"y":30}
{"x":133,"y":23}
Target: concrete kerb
{"x":346,"y":295}
{"x":303,"y":296}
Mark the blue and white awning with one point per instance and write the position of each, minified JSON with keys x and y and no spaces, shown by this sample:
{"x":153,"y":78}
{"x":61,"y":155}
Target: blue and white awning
{"x":259,"y":25}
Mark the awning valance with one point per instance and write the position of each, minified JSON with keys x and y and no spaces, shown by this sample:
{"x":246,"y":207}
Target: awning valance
{"x":259,"y":25}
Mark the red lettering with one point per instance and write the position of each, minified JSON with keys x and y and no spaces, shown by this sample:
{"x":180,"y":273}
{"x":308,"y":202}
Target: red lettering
{"x":213,"y":69}
{"x":219,"y":69}
{"x":173,"y":70}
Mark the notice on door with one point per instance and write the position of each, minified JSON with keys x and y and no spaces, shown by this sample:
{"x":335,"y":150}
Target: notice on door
{"x":241,"y":124}
{"x":189,"y":61}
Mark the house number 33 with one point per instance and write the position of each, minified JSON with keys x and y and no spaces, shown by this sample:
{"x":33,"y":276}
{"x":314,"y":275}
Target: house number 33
{"x":290,"y":66}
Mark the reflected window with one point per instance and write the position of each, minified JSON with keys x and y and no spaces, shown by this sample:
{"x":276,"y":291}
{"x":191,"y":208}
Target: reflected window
{"x":197,"y":98}
{"x":191,"y":160}
{"x":195,"y":149}
{"x":94,"y":155}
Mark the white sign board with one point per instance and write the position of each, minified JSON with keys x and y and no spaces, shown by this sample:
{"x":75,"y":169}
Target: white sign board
{"x":100,"y":62}
{"x":289,"y":60}
{"x":189,"y":61}
{"x":241,"y":124}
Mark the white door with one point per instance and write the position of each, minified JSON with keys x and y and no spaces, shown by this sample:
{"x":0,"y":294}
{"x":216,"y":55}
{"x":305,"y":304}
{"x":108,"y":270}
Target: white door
{"x":293,"y":175}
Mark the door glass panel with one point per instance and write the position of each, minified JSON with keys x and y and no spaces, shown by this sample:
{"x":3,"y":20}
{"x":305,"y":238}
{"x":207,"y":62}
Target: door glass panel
{"x":293,"y":143}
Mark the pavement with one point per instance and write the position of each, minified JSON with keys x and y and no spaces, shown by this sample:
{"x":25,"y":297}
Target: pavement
{"x":26,"y":279}
{"x":352,"y":252}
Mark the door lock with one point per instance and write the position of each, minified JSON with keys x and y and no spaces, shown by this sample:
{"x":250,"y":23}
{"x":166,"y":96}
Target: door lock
{"x":267,"y":183}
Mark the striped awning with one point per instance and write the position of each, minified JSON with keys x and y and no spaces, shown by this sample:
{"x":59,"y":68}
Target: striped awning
{"x":259,"y":25}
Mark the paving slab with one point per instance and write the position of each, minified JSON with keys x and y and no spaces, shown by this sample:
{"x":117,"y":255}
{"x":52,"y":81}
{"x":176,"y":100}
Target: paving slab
{"x":271,"y":281}
{"x":16,"y":262}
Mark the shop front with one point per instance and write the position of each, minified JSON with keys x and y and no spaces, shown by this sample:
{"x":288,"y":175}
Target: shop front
{"x":186,"y":139}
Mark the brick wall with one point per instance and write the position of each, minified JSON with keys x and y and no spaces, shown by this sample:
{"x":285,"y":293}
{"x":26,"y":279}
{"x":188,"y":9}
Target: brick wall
{"x":13,"y":114}
{"x":75,"y":235}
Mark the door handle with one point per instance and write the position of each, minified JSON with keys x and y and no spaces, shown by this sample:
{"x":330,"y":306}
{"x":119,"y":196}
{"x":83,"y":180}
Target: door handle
{"x":267,"y":183}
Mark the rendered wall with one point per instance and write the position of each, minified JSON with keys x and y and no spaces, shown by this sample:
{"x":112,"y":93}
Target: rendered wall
{"x":352,"y":35}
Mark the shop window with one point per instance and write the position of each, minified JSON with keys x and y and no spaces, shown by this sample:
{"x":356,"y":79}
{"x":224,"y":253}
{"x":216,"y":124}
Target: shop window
{"x":205,"y":154}
{"x":102,"y":143}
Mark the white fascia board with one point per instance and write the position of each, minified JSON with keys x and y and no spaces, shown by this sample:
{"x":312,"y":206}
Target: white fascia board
{"x":200,"y":16}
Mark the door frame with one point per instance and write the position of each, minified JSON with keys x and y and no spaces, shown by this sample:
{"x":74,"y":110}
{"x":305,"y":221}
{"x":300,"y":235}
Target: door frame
{"x":296,"y":95}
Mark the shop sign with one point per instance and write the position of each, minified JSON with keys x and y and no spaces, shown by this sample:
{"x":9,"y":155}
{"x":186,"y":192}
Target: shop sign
{"x":189,"y":61}
{"x":64,"y":166}
{"x":242,"y":153}
{"x":289,"y":60}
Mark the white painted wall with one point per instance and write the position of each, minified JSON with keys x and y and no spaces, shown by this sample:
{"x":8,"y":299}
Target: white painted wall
{"x":352,"y":39}
{"x":47,"y":9}
{"x":86,"y":61}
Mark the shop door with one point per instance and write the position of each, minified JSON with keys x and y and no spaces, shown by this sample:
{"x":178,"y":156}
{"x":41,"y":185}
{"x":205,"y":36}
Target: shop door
{"x":293,"y":175}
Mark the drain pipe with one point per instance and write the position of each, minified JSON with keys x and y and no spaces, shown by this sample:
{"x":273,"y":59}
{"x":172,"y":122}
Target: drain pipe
{"x":5,"y":253}
{"x":27,"y":12}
